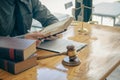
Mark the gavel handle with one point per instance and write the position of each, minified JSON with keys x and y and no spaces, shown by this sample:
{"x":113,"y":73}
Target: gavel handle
{"x":52,"y":55}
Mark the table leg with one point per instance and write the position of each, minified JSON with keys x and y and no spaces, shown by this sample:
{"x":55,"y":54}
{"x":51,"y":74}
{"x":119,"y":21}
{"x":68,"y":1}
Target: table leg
{"x":114,"y":20}
{"x":101,"y":19}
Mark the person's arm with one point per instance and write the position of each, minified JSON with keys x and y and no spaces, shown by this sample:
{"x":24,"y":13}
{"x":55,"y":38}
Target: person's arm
{"x":32,"y":35}
{"x":42,"y":14}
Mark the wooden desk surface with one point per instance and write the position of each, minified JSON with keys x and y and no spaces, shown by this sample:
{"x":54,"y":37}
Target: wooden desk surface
{"x":98,"y":59}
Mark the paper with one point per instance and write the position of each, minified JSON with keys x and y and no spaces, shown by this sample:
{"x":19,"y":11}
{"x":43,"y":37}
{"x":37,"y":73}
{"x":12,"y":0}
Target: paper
{"x":57,"y":28}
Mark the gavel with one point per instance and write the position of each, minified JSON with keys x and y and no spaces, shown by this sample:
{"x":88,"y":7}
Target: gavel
{"x":71,"y":58}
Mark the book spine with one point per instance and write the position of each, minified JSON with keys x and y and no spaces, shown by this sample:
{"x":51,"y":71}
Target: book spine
{"x":11,"y":54}
{"x":7,"y":65}
{"x":17,"y":67}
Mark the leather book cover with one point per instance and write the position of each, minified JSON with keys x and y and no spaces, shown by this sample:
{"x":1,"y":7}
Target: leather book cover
{"x":17,"y":67}
{"x":16,"y":49}
{"x":60,"y":45}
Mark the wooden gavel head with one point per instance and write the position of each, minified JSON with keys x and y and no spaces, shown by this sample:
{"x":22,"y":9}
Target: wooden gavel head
{"x":71,"y":59}
{"x":70,"y":47}
{"x":71,"y":52}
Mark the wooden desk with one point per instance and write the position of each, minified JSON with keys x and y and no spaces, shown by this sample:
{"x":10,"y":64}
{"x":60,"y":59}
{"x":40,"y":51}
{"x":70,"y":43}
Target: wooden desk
{"x":98,"y":59}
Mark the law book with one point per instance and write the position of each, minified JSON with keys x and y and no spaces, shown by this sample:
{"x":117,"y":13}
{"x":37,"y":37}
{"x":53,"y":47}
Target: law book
{"x":16,"y":49}
{"x":17,"y":67}
{"x":57,"y":28}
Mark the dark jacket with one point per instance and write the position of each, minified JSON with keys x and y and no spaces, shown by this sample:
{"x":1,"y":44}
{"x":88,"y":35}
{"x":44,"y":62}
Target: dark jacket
{"x":26,"y":10}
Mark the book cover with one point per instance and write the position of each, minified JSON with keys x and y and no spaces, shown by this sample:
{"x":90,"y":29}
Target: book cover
{"x":16,"y":49}
{"x":17,"y":67}
{"x":57,"y":28}
{"x":60,"y":45}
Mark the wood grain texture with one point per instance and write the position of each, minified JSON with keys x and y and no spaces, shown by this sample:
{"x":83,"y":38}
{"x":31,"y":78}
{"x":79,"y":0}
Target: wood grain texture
{"x":98,"y":59}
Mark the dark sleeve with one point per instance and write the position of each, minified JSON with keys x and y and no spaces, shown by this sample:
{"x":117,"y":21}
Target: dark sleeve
{"x":42,"y":14}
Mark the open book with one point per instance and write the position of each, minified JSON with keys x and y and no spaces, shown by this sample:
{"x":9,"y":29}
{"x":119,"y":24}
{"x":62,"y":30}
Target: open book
{"x":57,"y":28}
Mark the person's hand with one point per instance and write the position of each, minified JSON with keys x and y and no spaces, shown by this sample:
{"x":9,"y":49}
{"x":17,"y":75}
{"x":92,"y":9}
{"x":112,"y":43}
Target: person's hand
{"x":35,"y":36}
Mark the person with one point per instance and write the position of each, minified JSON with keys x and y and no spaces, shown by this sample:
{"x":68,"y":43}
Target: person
{"x":16,"y":18}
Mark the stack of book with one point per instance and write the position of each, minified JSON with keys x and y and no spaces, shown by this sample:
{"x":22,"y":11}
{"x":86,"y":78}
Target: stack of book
{"x":17,"y":55}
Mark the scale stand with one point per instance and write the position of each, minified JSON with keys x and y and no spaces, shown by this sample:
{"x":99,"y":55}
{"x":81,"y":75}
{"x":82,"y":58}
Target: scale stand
{"x":82,"y":29}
